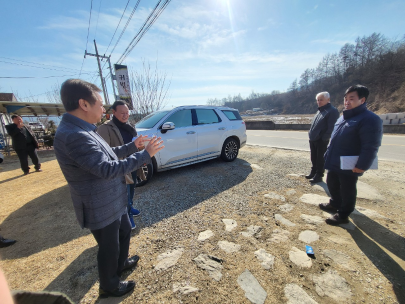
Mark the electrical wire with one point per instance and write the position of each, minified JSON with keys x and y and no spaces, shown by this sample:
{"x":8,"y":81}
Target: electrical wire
{"x":87,"y":40}
{"x":26,"y":77}
{"x":40,"y":64}
{"x":117,"y":27}
{"x":98,"y":16}
{"x":38,"y":67}
{"x":126,"y":25}
{"x":157,"y":11}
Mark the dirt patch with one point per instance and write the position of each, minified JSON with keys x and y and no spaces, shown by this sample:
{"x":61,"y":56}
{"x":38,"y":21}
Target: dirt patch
{"x":53,"y":253}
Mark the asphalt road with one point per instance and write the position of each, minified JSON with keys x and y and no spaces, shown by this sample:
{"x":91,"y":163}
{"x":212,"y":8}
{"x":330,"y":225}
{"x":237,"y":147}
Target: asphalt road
{"x":392,"y":148}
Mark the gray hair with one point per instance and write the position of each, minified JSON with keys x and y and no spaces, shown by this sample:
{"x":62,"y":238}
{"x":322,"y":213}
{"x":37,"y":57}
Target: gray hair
{"x":325,"y":94}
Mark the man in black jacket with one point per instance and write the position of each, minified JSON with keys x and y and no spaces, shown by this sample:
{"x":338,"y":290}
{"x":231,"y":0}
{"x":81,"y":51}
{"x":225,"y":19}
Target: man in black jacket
{"x":319,"y":135}
{"x":24,"y":143}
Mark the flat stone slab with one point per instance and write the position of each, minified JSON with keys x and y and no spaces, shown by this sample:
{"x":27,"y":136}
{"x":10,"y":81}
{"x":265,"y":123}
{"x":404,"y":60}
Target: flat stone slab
{"x":323,"y":188}
{"x":228,"y":247}
{"x":291,"y":192}
{"x":286,"y":207}
{"x":294,"y":175}
{"x":253,"y":290}
{"x":230,"y":224}
{"x":168,"y":259}
{"x":314,"y":199}
{"x":300,"y":258}
{"x":211,"y":264}
{"x":279,"y":236}
{"x":205,"y":235}
{"x":332,"y":285}
{"x":273,"y":195}
{"x":266,"y":258}
{"x":183,"y":288}
{"x":368,"y":192}
{"x":367,"y":212}
{"x":252,"y":231}
{"x":255,"y":166}
{"x":338,"y":257}
{"x":284,"y":221}
{"x":312,"y":219}
{"x":308,"y":236}
{"x":296,"y":295}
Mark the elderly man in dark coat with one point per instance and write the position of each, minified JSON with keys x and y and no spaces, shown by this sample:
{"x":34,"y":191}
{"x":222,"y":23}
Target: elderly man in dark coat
{"x":357,"y":133}
{"x":24,"y":143}
{"x":95,"y":173}
{"x":319,"y":135}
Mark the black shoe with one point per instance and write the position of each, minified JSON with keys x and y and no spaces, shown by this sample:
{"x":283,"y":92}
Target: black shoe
{"x":5,"y":242}
{"x":123,"y":288}
{"x":38,"y":170}
{"x":26,"y":172}
{"x":336,"y":219}
{"x":327,"y":207}
{"x":310,"y":175}
{"x":129,"y":263}
{"x":316,"y":179}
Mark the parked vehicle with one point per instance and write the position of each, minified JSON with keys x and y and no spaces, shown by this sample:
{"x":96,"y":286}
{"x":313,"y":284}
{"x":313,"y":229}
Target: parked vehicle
{"x":36,"y":126}
{"x":193,"y":134}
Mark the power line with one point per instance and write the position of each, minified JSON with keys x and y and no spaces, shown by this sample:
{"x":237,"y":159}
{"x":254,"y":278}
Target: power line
{"x":157,"y":11}
{"x":126,"y":25}
{"x":117,"y":26}
{"x":32,"y":66}
{"x":98,"y":16}
{"x":87,"y":40}
{"x":26,"y":77}
{"x":40,"y":64}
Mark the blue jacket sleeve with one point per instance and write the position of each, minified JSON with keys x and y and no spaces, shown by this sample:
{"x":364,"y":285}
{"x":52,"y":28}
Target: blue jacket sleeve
{"x":89,"y":156}
{"x":370,"y":133}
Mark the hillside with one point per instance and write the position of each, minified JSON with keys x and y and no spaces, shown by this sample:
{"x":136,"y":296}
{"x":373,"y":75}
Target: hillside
{"x":374,"y":61}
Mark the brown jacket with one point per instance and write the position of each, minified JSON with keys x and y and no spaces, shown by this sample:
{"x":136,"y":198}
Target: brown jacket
{"x":112,"y":135}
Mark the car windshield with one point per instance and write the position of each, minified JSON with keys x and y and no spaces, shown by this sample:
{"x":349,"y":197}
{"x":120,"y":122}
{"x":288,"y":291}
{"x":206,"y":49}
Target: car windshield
{"x":151,"y":120}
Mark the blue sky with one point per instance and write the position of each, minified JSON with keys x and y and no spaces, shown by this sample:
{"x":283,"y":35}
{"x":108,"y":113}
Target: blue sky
{"x":208,"y":48}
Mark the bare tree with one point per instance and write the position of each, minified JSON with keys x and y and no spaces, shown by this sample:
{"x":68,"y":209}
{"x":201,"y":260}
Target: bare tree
{"x":150,"y":89}
{"x":53,"y":95}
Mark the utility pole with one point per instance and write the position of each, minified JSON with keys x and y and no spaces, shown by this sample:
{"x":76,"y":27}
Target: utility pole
{"x":101,"y":73}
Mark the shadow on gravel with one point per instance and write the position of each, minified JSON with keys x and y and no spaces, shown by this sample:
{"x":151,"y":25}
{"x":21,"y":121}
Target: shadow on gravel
{"x":171,"y":192}
{"x":375,"y":234}
{"x":43,"y":223}
{"x":77,"y":279}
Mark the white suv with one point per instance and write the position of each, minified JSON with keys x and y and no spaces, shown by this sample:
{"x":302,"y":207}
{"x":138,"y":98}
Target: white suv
{"x":193,"y":134}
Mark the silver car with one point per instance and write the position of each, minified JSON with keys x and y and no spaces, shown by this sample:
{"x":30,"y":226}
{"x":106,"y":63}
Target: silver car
{"x":193,"y":134}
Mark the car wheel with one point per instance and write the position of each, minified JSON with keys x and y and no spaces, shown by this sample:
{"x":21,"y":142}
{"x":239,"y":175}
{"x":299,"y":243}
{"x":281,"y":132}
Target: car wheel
{"x":230,"y":150}
{"x":148,"y":170}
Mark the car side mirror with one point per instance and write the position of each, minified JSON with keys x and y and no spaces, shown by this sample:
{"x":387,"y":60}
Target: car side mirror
{"x":167,"y":126}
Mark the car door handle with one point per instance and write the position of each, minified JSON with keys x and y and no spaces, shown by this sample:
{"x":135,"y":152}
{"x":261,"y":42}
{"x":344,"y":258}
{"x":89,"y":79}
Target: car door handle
{"x":190,"y":132}
{"x":223,"y":128}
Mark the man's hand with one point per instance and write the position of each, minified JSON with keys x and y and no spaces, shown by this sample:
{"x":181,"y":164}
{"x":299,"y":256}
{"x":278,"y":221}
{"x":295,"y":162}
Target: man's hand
{"x":357,"y":170}
{"x":140,"y":141}
{"x":154,"y":146}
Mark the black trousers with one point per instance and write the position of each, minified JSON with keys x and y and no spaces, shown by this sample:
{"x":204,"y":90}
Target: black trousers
{"x":318,"y":149}
{"x":23,"y":156}
{"x":343,"y":192}
{"x":113,"y":246}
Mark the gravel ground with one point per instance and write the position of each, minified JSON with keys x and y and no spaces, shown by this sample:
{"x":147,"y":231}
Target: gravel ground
{"x":367,"y":263}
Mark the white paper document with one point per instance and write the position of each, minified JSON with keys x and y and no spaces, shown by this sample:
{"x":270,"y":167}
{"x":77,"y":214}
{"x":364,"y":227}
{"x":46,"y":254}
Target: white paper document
{"x":349,"y":162}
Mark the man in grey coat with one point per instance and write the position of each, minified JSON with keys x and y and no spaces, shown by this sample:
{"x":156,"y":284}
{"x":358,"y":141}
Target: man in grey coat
{"x":95,"y":175}
{"x":319,"y":135}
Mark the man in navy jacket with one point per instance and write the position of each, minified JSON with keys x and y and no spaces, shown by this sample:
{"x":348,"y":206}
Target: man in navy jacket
{"x":358,"y":132}
{"x":319,"y":135}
